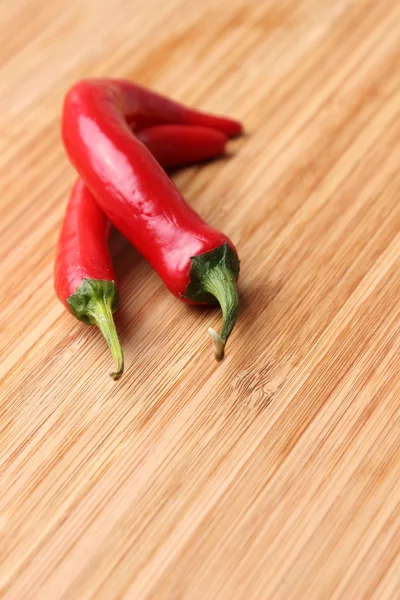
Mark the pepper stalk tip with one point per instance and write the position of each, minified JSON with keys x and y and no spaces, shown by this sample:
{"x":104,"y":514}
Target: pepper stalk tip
{"x":218,"y":344}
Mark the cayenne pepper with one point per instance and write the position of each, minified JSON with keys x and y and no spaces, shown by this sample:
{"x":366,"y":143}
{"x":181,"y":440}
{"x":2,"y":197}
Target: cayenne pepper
{"x":84,"y":278}
{"x":196,"y":262}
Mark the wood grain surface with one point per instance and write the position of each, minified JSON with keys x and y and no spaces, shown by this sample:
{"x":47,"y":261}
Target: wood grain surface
{"x":275,"y":474}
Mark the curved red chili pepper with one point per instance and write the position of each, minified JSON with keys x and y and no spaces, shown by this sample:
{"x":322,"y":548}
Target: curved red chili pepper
{"x":84,"y":278}
{"x":196,"y":262}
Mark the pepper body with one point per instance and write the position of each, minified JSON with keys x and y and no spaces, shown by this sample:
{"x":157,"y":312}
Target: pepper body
{"x":126,"y":180}
{"x":82,"y":250}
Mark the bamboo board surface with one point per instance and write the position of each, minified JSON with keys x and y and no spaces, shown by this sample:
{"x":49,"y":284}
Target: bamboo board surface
{"x":276,"y":473}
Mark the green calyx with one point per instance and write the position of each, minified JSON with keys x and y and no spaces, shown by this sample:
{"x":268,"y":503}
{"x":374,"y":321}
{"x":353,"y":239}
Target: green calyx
{"x":213,"y":277}
{"x":94,"y":303}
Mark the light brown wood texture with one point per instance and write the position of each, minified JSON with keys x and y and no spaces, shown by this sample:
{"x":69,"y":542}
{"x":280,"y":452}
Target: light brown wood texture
{"x":275,"y":474}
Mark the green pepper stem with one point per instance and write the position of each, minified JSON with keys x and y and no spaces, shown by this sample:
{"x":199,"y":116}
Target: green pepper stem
{"x":94,"y":302}
{"x":221,"y":283}
{"x":213,"y":277}
{"x":103,"y":317}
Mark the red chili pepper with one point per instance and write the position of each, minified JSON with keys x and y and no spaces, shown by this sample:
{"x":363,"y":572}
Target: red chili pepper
{"x":84,"y":278}
{"x":195,"y":261}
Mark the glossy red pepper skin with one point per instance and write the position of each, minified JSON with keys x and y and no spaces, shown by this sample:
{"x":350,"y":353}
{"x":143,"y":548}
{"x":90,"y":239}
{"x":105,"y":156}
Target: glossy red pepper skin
{"x":139,"y":198}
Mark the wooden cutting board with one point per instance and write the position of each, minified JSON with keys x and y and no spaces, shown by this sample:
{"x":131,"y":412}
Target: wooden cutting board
{"x":276,"y":473}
